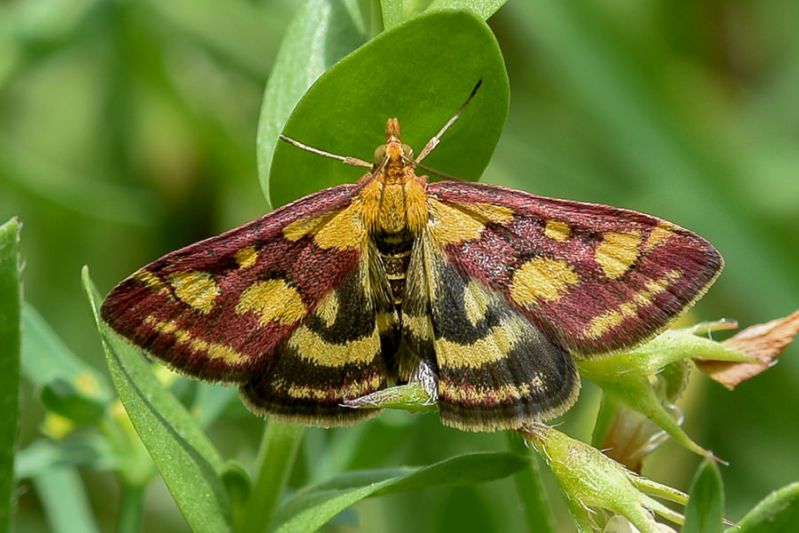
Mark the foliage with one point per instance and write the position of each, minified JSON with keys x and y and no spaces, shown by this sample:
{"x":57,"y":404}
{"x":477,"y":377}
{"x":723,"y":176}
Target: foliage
{"x":126,"y":130}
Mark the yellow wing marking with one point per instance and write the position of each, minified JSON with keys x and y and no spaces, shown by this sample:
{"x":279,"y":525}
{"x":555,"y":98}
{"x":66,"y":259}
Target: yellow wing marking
{"x":542,"y":278}
{"x":340,"y":229}
{"x":618,"y":252}
{"x":353,"y":390}
{"x":495,"y":346}
{"x":152,"y":281}
{"x":272,"y":299}
{"x":450,"y":226}
{"x":475,"y":301}
{"x":306,"y":226}
{"x":420,"y":326}
{"x":385,"y":321}
{"x":557,"y":230}
{"x":196,"y":289}
{"x":508,"y":393}
{"x":343,"y":231}
{"x":246,"y":257}
{"x":658,"y":235}
{"x":607,"y":321}
{"x":498,"y":214}
{"x":328,"y":309}
{"x":309,"y":345}
{"x":212,"y":349}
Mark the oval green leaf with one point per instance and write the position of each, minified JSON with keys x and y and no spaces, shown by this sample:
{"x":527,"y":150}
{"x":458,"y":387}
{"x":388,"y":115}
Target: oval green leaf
{"x":420,"y":72}
{"x":188,"y":462}
{"x":705,"y":508}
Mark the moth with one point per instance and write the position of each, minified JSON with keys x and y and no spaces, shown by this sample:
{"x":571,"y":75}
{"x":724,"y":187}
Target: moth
{"x":483,"y":294}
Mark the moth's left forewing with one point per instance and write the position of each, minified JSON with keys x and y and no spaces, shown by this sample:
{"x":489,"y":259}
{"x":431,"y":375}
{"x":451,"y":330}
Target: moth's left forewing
{"x":284,"y":306}
{"x":593,"y":278}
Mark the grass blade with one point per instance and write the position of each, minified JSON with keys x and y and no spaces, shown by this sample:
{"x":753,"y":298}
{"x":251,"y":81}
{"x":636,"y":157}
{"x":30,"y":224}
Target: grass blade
{"x":10,"y":301}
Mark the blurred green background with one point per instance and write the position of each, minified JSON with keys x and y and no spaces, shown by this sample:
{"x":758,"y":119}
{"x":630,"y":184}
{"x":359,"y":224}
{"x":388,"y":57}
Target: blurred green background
{"x":127,"y":129}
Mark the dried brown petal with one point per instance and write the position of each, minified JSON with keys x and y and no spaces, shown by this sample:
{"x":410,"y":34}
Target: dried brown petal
{"x":766,"y":342}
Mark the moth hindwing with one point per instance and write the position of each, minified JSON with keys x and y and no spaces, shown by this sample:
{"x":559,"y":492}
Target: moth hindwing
{"x":487,"y":293}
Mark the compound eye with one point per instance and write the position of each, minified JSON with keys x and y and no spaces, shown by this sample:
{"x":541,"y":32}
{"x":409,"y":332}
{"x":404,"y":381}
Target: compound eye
{"x":380,"y":153}
{"x":407,"y":151}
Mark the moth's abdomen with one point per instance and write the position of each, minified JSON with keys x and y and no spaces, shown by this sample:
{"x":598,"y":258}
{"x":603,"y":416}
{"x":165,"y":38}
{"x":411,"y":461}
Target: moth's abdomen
{"x":395,"y":252}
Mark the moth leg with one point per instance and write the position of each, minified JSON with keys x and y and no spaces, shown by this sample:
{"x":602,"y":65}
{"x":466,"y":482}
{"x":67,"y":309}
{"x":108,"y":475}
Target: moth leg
{"x":425,"y":376}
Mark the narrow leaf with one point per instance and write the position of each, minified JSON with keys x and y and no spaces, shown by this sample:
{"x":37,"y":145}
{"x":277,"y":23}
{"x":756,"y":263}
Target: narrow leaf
{"x":392,"y":13}
{"x":705,"y":509}
{"x":188,"y":462}
{"x":45,"y":358}
{"x":483,"y":8}
{"x":68,"y":386}
{"x":321,"y":33}
{"x":779,"y":511}
{"x":311,"y":508}
{"x":65,"y":503}
{"x":10,"y":301}
{"x":84,"y":450}
{"x":420,"y":72}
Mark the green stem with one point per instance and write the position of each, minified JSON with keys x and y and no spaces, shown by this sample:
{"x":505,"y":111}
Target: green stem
{"x":275,"y":461}
{"x":531,"y":489}
{"x":131,"y":508}
{"x":607,"y":411}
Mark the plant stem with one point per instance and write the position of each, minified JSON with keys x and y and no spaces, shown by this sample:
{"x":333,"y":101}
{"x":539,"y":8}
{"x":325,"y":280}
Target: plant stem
{"x":131,"y":508}
{"x":275,"y":460}
{"x":531,"y":489}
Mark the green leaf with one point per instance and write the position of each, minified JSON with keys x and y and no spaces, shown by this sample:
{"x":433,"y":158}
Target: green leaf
{"x":420,"y":72}
{"x":483,"y":8}
{"x":705,"y":509}
{"x":311,"y":508}
{"x":79,"y":450}
{"x":395,"y":11}
{"x":186,"y":459}
{"x":392,"y":13}
{"x":65,"y":503}
{"x":46,"y":358}
{"x":530,"y":488}
{"x":69,"y":386}
{"x":274,"y":463}
{"x":10,"y":302}
{"x":238,"y":485}
{"x":321,"y":33}
{"x":779,"y":511}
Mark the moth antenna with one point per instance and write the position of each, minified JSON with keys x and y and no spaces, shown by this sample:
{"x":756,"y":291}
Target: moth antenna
{"x":433,"y":142}
{"x":347,"y":160}
{"x":431,"y":170}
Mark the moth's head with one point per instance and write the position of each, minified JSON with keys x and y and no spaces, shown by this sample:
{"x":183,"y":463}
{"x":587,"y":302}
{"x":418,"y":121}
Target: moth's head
{"x":394,"y":152}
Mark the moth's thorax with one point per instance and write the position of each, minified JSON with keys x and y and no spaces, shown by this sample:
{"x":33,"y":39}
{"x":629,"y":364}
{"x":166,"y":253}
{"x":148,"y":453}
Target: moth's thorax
{"x":394,"y":199}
